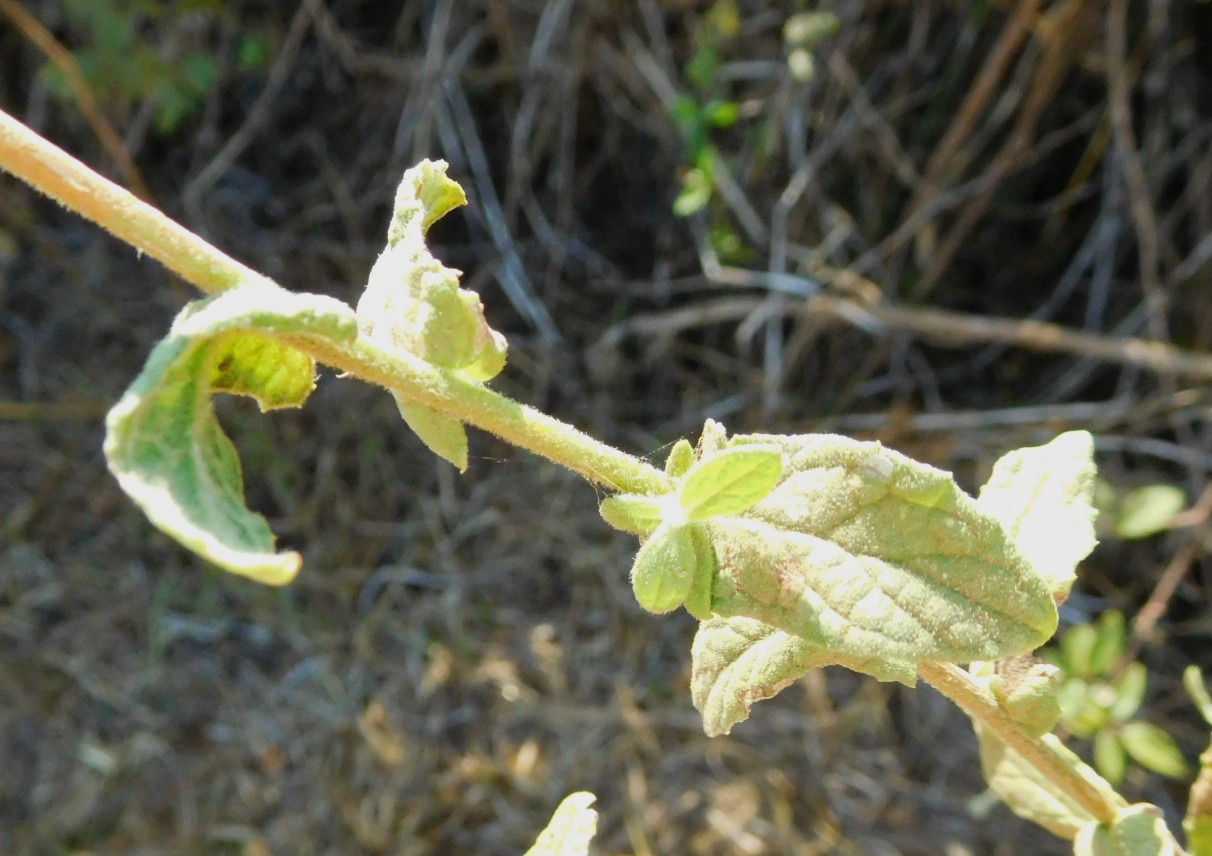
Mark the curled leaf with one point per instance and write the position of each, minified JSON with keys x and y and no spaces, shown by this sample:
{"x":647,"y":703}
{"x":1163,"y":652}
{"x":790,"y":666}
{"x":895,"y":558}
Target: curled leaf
{"x":413,"y":303}
{"x":164,"y":444}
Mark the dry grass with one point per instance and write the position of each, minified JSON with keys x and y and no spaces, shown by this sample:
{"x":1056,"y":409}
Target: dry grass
{"x":461,"y":652}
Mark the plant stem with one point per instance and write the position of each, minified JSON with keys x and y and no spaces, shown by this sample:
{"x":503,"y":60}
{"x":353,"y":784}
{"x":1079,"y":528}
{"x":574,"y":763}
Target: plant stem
{"x":65,"y":179}
{"x":49,"y":169}
{"x":490,"y":411}
{"x":957,"y":685}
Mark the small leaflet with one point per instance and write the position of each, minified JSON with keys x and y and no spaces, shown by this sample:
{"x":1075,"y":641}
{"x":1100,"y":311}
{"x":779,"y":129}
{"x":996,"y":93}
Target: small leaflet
{"x":664,"y":569}
{"x":730,"y":481}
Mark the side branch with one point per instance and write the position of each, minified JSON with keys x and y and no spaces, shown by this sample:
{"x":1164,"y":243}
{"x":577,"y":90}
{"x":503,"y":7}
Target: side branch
{"x":955,"y":684}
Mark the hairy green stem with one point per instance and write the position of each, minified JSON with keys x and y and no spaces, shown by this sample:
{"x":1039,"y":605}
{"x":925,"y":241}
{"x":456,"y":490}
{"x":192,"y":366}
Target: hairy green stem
{"x":957,"y":685}
{"x":60,"y":176}
{"x":49,"y":169}
{"x":490,"y":411}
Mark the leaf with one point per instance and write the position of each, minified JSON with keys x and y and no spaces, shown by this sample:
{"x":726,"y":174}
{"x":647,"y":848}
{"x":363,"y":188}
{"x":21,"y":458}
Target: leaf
{"x":571,"y":828}
{"x":1148,"y":510}
{"x":1044,"y":497}
{"x":1029,"y":794}
{"x":698,"y":599}
{"x":1027,"y":689}
{"x":870,"y":555}
{"x":1130,"y":689}
{"x":1111,"y":643}
{"x":164,"y":444}
{"x":739,"y":661}
{"x":730,"y":481}
{"x":634,"y":513}
{"x":1138,"y":830}
{"x":1077,"y":650}
{"x":1198,"y":822}
{"x":664,"y":569}
{"x":444,"y":435}
{"x":1110,"y":757}
{"x":1153,"y":749}
{"x":681,"y":459}
{"x":413,"y":303}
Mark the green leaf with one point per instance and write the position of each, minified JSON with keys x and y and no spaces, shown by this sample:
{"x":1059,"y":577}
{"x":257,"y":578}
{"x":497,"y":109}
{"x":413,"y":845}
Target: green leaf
{"x":1138,"y":830}
{"x":871,"y":555}
{"x":1110,"y":644}
{"x":1077,"y":650}
{"x":639,"y":515}
{"x":1198,"y":822}
{"x":1029,"y":794}
{"x":1044,"y":497}
{"x":1153,"y":749}
{"x":664,"y":569}
{"x":681,"y":459}
{"x":730,"y":481}
{"x":698,"y":599}
{"x":1149,"y":510}
{"x":164,"y":444}
{"x":413,"y":303}
{"x":738,"y":662}
{"x":444,"y":435}
{"x":1110,"y":757}
{"x":1130,"y":689}
{"x":571,"y":828}
{"x":1193,"y":680}
{"x":697,"y":190}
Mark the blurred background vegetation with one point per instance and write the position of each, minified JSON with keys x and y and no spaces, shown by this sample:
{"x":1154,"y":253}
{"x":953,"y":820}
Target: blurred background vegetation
{"x":954,"y":227}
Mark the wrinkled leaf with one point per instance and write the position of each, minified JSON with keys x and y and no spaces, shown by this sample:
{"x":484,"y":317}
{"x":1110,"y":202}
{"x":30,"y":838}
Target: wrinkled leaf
{"x":444,"y":435}
{"x":1138,"y":830}
{"x":1148,"y":510}
{"x":1153,"y":749}
{"x":571,"y":828}
{"x":738,"y":662}
{"x":869,"y":554}
{"x":1044,"y":497}
{"x":730,"y":481}
{"x":164,"y":444}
